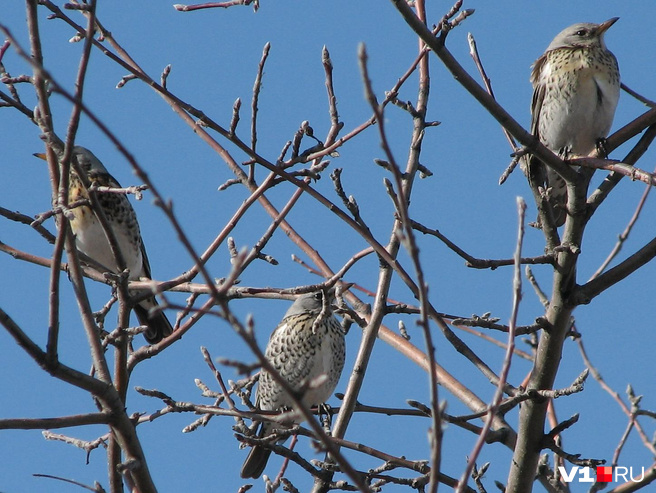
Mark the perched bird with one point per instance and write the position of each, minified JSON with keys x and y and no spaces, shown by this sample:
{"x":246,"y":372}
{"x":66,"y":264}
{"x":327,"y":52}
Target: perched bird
{"x":91,"y":240}
{"x":301,"y":349}
{"x":576,"y":86}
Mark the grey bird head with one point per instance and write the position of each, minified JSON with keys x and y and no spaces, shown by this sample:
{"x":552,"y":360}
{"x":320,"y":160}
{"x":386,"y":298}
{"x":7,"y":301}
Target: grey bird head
{"x":84,"y":157}
{"x":306,"y":303}
{"x":582,"y":35}
{"x":88,"y":161}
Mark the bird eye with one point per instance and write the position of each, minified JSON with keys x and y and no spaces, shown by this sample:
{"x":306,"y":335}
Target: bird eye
{"x":581,"y":32}
{"x":318,"y":295}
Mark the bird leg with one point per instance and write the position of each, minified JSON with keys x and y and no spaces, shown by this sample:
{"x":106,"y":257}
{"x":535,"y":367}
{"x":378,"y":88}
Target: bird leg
{"x":602,"y":148}
{"x":325,"y":412}
{"x":565,"y":153}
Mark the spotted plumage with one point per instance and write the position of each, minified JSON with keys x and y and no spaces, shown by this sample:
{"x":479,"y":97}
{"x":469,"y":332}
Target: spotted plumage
{"x":576,"y":85}
{"x":90,"y":237}
{"x":301,"y":348}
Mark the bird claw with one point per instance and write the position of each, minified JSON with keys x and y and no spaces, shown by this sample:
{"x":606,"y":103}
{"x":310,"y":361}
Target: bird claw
{"x":602,"y":148}
{"x":325,"y":415}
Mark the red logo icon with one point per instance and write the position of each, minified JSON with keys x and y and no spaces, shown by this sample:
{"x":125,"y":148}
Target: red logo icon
{"x":604,"y":474}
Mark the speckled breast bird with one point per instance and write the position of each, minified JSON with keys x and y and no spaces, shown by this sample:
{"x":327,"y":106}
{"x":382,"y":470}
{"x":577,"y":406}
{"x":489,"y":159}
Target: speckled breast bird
{"x":576,"y":86}
{"x":300,"y":351}
{"x":91,"y":240}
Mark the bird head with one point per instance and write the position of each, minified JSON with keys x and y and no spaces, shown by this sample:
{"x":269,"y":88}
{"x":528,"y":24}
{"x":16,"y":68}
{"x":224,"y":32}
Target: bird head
{"x":88,"y":161}
{"x":308,"y":303}
{"x":582,"y":35}
{"x":85,"y":159}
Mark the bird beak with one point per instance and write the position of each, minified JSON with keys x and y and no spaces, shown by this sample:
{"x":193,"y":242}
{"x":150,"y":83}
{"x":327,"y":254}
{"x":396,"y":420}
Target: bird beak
{"x":40,"y":155}
{"x":603,"y":27}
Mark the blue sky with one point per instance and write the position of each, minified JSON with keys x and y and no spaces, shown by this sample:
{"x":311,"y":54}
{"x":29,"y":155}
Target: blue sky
{"x":214,"y":56}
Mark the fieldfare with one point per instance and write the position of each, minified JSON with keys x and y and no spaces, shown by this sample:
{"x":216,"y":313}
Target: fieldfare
{"x":576,"y":86}
{"x":91,"y":240}
{"x":308,"y":343}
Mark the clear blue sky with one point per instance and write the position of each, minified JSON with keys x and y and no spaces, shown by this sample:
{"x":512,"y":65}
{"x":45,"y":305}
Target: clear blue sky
{"x":214,"y":56}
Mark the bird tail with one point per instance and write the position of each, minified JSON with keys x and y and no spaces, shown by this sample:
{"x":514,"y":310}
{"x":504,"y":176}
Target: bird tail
{"x":258,"y":456}
{"x":540,"y":175}
{"x":158,"y":325}
{"x":557,"y":197}
{"x":255,"y":462}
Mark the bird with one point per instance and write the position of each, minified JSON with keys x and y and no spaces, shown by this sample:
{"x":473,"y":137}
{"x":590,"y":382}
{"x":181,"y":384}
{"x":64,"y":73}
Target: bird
{"x":576,"y":87}
{"x":91,"y":240}
{"x":305,"y":345}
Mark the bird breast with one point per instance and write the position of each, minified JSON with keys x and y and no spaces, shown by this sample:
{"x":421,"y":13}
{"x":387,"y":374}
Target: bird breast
{"x":579,"y":106}
{"x":301,"y":355}
{"x":91,"y":240}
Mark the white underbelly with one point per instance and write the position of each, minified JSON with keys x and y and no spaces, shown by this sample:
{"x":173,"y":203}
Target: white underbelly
{"x":324,"y":363}
{"x":92,"y":241}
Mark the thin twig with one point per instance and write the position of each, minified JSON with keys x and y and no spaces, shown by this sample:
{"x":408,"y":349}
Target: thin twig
{"x":473,"y":51}
{"x":624,"y":235}
{"x":503,"y":375}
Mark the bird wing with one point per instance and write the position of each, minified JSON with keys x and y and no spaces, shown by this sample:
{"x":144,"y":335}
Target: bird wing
{"x":534,"y":167}
{"x":538,"y":173}
{"x":145,"y":264}
{"x":536,"y":107}
{"x":108,"y":180}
